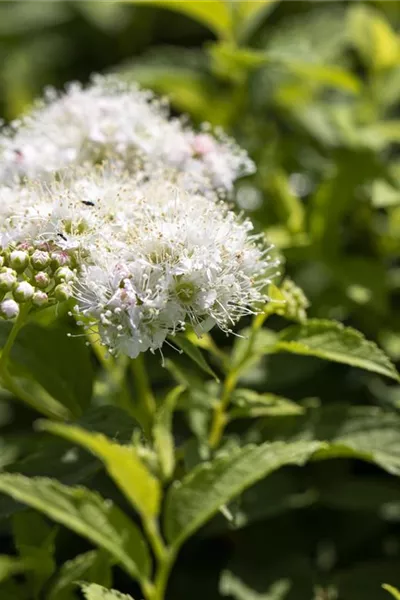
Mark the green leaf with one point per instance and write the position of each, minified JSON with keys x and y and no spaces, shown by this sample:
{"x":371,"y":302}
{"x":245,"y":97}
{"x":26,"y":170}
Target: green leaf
{"x":194,"y":353}
{"x":122,"y":463}
{"x":93,"y":566}
{"x":332,"y":341}
{"x":249,"y":14}
{"x":373,"y":37}
{"x":162,"y":432}
{"x":214,"y":14}
{"x":251,"y":404}
{"x":336,"y":195}
{"x":195,"y":499}
{"x":392,"y":590}
{"x":183,"y":75}
{"x":367,"y":433}
{"x":234,"y":587}
{"x":87,"y":514}
{"x":34,"y":540}
{"x":10,"y":566}
{"x":60,"y":364}
{"x":97,"y":592}
{"x":328,"y":75}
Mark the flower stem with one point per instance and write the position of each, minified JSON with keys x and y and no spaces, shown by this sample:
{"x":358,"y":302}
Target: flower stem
{"x":220,"y":417}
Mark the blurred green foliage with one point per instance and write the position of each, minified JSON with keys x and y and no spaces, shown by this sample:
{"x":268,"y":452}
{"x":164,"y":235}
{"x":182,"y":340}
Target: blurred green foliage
{"x":312,"y":90}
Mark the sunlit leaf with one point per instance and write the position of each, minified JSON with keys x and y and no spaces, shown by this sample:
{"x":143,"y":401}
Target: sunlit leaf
{"x":195,"y":499}
{"x":97,"y":592}
{"x":392,"y":590}
{"x":121,"y":462}
{"x":373,"y":37}
{"x":214,"y":14}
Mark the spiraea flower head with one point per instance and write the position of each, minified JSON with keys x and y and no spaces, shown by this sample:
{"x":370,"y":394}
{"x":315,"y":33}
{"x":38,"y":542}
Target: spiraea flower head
{"x":143,"y":256}
{"x":113,"y":118}
{"x":167,"y":258}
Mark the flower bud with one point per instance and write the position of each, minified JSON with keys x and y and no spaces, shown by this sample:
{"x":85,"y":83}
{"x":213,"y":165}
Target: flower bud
{"x":9,"y":309}
{"x":40,"y":299}
{"x":62,"y":292}
{"x":63,"y":274}
{"x":19,"y":260}
{"x":59,"y":259}
{"x":8,"y":278}
{"x":40,"y":260}
{"x":42,"y":280}
{"x":23,"y":291}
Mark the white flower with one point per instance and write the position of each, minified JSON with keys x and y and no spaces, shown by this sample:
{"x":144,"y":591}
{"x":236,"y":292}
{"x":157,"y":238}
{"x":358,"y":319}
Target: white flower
{"x":145,"y":256}
{"x":170,"y":258}
{"x":112,"y":118}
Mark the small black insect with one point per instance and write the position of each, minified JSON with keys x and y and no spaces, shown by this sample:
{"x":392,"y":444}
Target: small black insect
{"x":87,"y":202}
{"x":62,"y":237}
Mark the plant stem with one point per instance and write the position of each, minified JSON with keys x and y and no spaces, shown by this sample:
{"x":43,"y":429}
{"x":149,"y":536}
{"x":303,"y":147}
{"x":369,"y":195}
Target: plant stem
{"x":220,"y":417}
{"x":162,"y":575}
{"x":145,"y":398}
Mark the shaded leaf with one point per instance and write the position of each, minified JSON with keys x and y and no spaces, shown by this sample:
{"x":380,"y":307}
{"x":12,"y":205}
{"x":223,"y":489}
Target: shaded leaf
{"x":194,"y":353}
{"x":87,"y":514}
{"x":364,"y":432}
{"x":60,"y":364}
{"x":332,"y":341}
{"x":11,"y":565}
{"x":91,"y":567}
{"x":34,"y":540}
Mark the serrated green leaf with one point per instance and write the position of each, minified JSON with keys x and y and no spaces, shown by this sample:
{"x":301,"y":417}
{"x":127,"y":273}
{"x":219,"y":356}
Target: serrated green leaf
{"x":214,"y":14}
{"x":194,"y":353}
{"x":84,"y":567}
{"x":162,"y":432}
{"x":362,"y":432}
{"x":195,"y":499}
{"x":332,"y":341}
{"x":392,"y":590}
{"x":98,"y":592}
{"x":87,"y":514}
{"x":122,"y":464}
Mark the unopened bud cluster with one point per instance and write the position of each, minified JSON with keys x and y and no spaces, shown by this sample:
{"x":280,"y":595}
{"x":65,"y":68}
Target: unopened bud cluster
{"x":296,"y":303}
{"x":41,"y":275}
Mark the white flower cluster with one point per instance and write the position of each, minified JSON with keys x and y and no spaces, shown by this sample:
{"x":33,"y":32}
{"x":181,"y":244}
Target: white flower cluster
{"x":111,"y":118}
{"x":142,"y":243}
